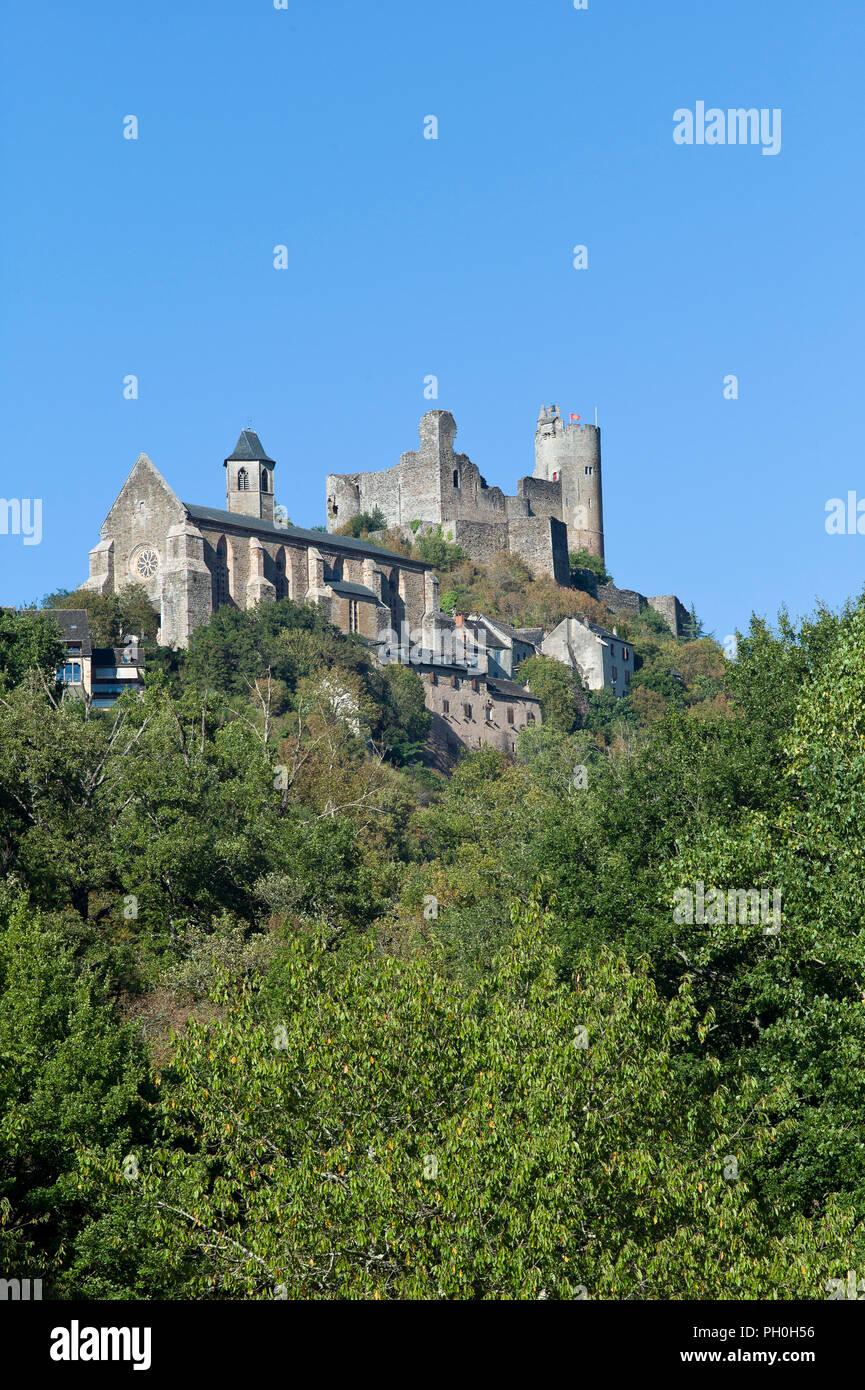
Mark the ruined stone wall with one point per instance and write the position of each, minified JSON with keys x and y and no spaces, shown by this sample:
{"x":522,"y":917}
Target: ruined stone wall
{"x":543,"y":498}
{"x":542,"y":542}
{"x":674,"y":613}
{"x":482,"y":540}
{"x":586,"y":581}
{"x":628,"y":601}
{"x":435,"y":486}
{"x":621,"y":600}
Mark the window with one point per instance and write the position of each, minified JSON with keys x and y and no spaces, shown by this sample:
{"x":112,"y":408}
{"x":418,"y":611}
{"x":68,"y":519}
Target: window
{"x":433,"y":678}
{"x":221,"y":580}
{"x":624,"y":653}
{"x":589,"y":472}
{"x":510,"y":714}
{"x":488,"y":713}
{"x":446,"y":706}
{"x":530,"y":719}
{"x":70,"y":673}
{"x":146,"y":562}
{"x":281,"y":584}
{"x":264,"y":480}
{"x":615,"y":673}
{"x":456,"y":477}
{"x":627,"y":678}
{"x":613,"y":650}
{"x":352,"y":615}
{"x":454,"y":683}
{"x":467,"y":711}
{"x":474,"y":683}
{"x":242,"y":480}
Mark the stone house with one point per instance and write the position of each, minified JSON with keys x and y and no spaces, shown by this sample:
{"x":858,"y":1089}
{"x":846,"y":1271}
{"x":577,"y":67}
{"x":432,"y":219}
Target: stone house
{"x":193,"y":560}
{"x":98,"y":674}
{"x":475,"y":711}
{"x":601,"y":658}
{"x":506,"y":646}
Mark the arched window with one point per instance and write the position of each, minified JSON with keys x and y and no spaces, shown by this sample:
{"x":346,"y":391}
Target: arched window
{"x":264,"y":480}
{"x":242,"y":480}
{"x":282,"y":584}
{"x":221,"y":584}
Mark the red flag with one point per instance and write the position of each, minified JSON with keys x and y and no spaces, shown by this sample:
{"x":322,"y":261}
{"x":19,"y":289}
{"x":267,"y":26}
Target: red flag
{"x":575,"y":417}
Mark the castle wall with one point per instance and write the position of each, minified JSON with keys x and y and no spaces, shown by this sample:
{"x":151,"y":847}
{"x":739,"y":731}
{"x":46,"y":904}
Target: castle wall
{"x":542,"y":542}
{"x":621,"y":600}
{"x":628,"y":601}
{"x":435,"y":486}
{"x":541,"y":496}
{"x":482,"y":540}
{"x":674,"y":613}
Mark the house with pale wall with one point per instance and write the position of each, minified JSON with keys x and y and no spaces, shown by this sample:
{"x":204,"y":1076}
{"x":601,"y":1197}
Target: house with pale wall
{"x":99,"y":675}
{"x":507,"y":646}
{"x":601,"y":658}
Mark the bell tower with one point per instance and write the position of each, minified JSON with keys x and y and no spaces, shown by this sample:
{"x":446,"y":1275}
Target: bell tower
{"x":249,"y":478}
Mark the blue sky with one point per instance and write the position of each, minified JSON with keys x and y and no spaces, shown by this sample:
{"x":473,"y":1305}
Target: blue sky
{"x":304,"y":127}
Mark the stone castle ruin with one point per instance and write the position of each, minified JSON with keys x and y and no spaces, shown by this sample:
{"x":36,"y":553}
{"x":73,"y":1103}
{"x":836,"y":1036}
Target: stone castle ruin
{"x":556,"y":510}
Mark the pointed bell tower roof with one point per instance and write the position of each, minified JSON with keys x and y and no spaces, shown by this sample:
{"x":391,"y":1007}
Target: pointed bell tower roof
{"x":248,"y":449}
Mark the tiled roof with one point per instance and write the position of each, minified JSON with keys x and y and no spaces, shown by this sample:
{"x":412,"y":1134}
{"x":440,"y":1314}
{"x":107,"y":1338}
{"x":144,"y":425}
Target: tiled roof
{"x":532,"y":635}
{"x":248,"y":449}
{"x":288,"y":533}
{"x":510,"y":688}
{"x":341,"y":586}
{"x":73,"y":625}
{"x":604,"y":632}
{"x":490,"y":638}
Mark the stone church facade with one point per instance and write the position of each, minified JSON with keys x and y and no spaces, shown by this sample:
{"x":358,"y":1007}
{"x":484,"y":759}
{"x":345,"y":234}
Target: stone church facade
{"x":192,"y":560}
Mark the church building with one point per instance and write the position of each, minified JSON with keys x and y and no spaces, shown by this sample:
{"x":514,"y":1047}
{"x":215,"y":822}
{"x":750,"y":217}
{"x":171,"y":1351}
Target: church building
{"x":192,"y":560}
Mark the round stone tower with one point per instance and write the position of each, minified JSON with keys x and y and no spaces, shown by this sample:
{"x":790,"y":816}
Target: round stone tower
{"x":571,"y":453}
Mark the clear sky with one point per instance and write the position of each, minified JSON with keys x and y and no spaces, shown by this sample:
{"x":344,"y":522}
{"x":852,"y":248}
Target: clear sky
{"x":408,"y":257}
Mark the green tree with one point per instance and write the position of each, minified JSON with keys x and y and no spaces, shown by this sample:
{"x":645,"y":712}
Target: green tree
{"x":111,"y":617}
{"x":374,"y":1132}
{"x":70,"y":1076}
{"x":583,"y":559}
{"x":553,"y":684}
{"x":435,"y":548}
{"x":29,"y":641}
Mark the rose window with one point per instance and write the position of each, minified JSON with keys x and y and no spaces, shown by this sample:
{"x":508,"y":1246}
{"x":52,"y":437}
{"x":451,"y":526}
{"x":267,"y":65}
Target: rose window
{"x":147,"y":563}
